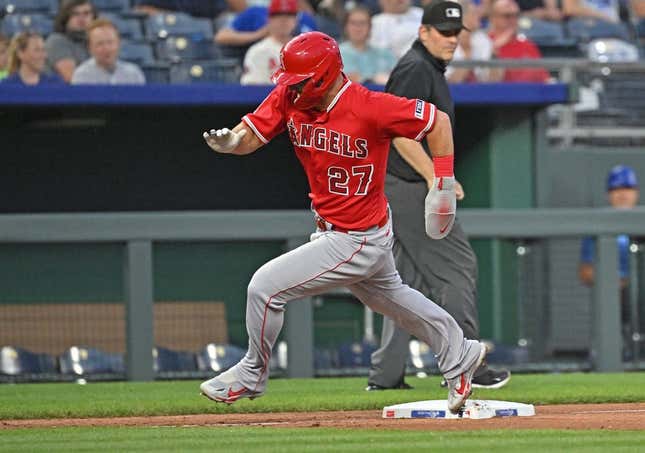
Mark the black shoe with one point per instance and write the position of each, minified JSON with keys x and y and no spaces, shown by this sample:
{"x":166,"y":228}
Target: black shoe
{"x":401,"y":386}
{"x":492,"y":379}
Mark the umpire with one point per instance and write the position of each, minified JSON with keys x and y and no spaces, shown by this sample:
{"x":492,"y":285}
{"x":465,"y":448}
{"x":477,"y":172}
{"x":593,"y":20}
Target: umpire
{"x":445,"y":270}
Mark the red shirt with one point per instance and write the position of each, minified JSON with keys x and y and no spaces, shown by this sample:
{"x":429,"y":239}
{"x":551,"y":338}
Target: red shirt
{"x":344,"y":149}
{"x":517,"y":48}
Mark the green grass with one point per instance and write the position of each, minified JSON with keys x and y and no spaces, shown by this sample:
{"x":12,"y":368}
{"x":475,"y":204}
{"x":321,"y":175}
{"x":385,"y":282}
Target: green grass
{"x":313,"y":439}
{"x":23,"y":401}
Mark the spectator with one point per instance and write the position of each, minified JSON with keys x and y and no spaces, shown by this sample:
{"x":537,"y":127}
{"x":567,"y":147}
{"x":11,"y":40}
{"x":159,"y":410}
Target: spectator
{"x":251,"y":25}
{"x":4,"y":56}
{"x":396,"y":27}
{"x":197,"y":8}
{"x":508,"y":45}
{"x":67,"y":46}
{"x":27,"y":58}
{"x":637,"y":8}
{"x":607,"y":10}
{"x":474,"y":44}
{"x":622,"y":193}
{"x":364,"y":63}
{"x":104,"y":67}
{"x":263,"y":58}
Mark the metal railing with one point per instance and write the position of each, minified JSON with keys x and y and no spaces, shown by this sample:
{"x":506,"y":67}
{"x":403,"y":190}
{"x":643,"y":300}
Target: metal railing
{"x":138,"y":231}
{"x":572,"y":71}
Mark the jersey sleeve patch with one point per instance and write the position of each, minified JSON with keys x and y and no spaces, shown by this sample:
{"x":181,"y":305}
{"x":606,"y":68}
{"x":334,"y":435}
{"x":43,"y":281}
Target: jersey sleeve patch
{"x":419,"y":109}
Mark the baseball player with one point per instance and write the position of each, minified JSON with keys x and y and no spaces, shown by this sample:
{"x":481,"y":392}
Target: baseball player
{"x":341,"y":134}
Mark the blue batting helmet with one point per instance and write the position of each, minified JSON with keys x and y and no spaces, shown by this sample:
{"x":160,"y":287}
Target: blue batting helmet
{"x":620,"y":177}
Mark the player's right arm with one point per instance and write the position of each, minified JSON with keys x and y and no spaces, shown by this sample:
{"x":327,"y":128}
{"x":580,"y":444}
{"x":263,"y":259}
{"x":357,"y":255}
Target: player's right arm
{"x":255,"y":129}
{"x":240,"y":140}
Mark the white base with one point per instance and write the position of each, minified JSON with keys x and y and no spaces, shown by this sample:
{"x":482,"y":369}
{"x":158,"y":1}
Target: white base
{"x":476,"y":409}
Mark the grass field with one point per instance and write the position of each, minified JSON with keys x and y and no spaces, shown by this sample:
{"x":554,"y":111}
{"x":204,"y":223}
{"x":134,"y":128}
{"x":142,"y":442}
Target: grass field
{"x":24,"y":401}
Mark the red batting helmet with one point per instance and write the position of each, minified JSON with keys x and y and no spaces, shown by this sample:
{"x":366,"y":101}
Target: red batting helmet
{"x":313,"y":56}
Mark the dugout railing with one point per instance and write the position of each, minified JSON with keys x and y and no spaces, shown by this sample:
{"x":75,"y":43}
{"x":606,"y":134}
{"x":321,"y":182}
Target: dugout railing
{"x":139,"y":232}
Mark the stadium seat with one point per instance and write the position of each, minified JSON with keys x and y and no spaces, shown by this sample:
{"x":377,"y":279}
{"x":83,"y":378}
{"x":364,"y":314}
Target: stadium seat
{"x":612,"y":50}
{"x":584,"y":30}
{"x":351,"y":355}
{"x":135,"y":52}
{"x":222,"y":71}
{"x":115,"y":6}
{"x":328,"y":26}
{"x":29,"y":6}
{"x":82,"y":361}
{"x":541,"y":31}
{"x":640,"y":30}
{"x":178,"y":48}
{"x":161,"y":26}
{"x":219,"y":357}
{"x":129,"y":28}
{"x":421,"y":356}
{"x":168,"y":360}
{"x":15,"y":361}
{"x":16,"y":23}
{"x":156,"y":72}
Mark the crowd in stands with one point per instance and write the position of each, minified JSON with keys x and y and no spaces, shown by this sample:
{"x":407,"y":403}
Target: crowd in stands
{"x":186,"y":41}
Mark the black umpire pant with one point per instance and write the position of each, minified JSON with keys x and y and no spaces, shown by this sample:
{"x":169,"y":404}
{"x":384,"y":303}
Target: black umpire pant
{"x":444,"y":270}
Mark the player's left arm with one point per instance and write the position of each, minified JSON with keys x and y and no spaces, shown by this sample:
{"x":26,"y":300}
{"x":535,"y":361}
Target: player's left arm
{"x":414,"y":154}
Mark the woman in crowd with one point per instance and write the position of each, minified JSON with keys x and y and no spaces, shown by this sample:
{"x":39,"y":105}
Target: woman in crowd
{"x":27,"y":61}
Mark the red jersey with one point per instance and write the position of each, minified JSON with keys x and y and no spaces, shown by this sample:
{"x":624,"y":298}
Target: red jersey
{"x":517,"y":48}
{"x":344,"y":149}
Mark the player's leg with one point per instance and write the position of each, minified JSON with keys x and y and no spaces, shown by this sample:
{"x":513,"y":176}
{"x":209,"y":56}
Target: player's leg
{"x":332,"y":260}
{"x":458,"y":358}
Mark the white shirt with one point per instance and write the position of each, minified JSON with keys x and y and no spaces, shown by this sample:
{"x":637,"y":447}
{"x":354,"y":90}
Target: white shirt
{"x":396,"y":32}
{"x":261,"y":61}
{"x":481,"y":48}
{"x":124,"y":73}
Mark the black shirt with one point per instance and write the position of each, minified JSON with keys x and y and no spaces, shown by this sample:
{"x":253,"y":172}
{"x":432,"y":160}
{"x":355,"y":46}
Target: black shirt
{"x":418,"y":75}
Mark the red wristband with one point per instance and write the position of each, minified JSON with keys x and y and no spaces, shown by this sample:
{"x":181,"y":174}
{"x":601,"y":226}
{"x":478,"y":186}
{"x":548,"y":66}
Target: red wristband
{"x":444,"y":165}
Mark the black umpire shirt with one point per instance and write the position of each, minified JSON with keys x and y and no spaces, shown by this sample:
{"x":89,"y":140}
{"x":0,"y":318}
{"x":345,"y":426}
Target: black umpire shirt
{"x":418,"y":75}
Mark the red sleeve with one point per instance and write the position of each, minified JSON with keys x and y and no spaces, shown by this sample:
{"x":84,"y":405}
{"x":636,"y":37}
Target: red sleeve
{"x":268,"y":120}
{"x":401,"y":117}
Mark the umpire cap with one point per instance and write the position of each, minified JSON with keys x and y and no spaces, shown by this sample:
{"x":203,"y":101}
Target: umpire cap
{"x":444,"y":15}
{"x":622,"y":177}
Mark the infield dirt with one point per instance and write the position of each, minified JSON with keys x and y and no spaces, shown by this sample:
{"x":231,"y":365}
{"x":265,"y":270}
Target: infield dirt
{"x":628,"y":416}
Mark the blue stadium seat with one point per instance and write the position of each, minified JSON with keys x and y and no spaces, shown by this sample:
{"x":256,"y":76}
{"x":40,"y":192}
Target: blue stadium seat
{"x":16,"y":23}
{"x":116,"y":6}
{"x":161,"y":26}
{"x":136,"y":52}
{"x":584,"y":30}
{"x":179,"y":48}
{"x":328,"y":26}
{"x":168,"y":360}
{"x":640,"y":30}
{"x":351,"y":355}
{"x":222,"y":71}
{"x":83,"y":361}
{"x":156,"y":72}
{"x":15,"y":361}
{"x":541,"y":31}
{"x":129,"y":28}
{"x":29,"y":6}
{"x":219,"y":357}
{"x":421,"y":356}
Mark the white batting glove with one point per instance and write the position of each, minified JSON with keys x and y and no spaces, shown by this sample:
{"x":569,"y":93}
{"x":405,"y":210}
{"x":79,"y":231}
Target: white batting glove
{"x":440,"y":207}
{"x":223,"y":140}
